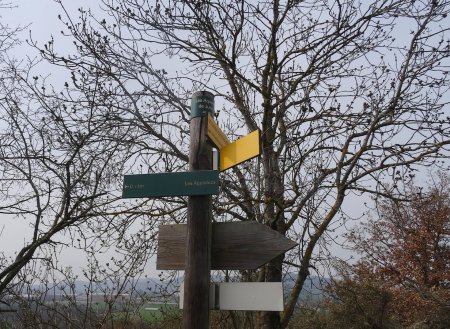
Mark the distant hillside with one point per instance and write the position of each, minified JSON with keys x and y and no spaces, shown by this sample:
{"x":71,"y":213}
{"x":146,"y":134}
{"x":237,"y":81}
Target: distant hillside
{"x":312,"y":290}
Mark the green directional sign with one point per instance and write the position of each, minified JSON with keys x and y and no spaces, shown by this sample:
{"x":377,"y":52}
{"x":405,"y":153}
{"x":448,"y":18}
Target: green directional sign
{"x":203,"y":182}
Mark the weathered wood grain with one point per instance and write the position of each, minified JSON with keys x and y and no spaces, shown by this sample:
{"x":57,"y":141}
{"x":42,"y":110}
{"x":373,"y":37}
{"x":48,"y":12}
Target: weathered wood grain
{"x":235,"y":246}
{"x":199,"y":218}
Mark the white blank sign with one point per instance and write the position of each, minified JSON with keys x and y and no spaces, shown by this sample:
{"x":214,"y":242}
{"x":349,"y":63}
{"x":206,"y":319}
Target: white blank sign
{"x":245,"y":296}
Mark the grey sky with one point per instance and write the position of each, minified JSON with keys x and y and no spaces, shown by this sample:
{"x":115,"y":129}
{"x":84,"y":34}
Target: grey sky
{"x":41,"y":17}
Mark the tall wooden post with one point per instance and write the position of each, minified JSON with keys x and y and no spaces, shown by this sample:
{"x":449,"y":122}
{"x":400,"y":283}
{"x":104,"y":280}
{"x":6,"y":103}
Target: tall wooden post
{"x":198,"y":252}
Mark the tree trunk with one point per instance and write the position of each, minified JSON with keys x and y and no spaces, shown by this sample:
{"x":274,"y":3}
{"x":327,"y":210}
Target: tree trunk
{"x":271,"y":320}
{"x":274,"y":217}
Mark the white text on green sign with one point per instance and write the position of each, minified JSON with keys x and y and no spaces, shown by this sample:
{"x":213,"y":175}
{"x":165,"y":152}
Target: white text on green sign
{"x":203,"y":182}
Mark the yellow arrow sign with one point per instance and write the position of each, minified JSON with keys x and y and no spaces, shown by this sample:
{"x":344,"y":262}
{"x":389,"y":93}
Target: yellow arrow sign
{"x":232,"y":154}
{"x":239,"y":151}
{"x":216,"y":134}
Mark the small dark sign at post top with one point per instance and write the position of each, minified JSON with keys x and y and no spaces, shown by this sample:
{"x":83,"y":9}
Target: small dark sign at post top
{"x":203,"y":182}
{"x":202,"y":103}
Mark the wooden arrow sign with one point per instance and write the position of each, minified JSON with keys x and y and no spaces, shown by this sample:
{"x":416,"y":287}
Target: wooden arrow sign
{"x":235,"y":246}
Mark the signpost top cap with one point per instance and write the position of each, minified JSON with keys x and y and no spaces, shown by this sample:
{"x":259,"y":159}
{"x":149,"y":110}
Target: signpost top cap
{"x":202,"y":103}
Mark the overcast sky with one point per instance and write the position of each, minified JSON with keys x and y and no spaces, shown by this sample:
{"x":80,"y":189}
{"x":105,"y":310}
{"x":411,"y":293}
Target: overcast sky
{"x":41,"y":14}
{"x":41,"y":19}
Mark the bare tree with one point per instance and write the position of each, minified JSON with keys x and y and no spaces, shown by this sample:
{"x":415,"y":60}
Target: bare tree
{"x":62,"y":160}
{"x":346,"y":93}
{"x":62,"y":157}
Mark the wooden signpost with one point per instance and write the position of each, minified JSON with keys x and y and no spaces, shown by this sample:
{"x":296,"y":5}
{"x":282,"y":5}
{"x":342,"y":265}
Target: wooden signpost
{"x":235,"y":246}
{"x":200,"y":246}
{"x":199,"y":218}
